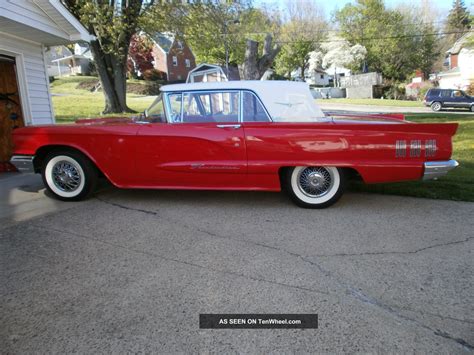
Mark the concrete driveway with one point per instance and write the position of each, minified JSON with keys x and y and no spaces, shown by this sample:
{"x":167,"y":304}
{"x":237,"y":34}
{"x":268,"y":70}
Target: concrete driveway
{"x":130,"y":271}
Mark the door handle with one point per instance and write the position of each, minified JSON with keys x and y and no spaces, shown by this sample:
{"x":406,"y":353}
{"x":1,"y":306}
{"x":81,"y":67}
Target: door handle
{"x":233,"y":126}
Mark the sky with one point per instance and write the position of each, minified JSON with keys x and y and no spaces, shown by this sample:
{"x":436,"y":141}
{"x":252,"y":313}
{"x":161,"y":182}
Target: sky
{"x":330,"y":5}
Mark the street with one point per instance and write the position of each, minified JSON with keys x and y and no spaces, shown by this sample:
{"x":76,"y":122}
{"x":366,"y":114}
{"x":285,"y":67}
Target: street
{"x":130,"y":271}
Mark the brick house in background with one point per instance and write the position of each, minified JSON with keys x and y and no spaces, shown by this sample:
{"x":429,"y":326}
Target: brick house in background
{"x":172,"y":56}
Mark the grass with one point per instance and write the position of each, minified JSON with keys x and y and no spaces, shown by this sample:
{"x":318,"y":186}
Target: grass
{"x":373,"y":102}
{"x":71,"y":103}
{"x":457,"y":185}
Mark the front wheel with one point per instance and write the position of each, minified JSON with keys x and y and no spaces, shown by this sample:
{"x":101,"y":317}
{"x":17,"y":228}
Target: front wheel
{"x":69,"y":175}
{"x":315,"y":186}
{"x":436,"y":106}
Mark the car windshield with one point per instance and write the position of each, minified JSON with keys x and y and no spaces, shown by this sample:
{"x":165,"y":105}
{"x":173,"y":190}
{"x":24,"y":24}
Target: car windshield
{"x":155,"y":113}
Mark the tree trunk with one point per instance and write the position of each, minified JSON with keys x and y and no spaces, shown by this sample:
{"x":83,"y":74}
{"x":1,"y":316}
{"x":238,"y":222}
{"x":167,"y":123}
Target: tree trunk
{"x":112,"y":76}
{"x":254,"y":67}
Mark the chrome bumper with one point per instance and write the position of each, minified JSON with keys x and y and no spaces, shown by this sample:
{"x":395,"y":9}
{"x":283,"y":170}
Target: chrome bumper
{"x":24,"y":163}
{"x":435,"y":169}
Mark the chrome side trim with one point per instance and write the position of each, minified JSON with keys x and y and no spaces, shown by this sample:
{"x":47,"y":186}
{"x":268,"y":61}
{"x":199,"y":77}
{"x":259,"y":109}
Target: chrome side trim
{"x":430,"y":148}
{"x":415,"y":148}
{"x":400,"y":149}
{"x":436,"y":169}
{"x":24,"y":163}
{"x":234,"y":126}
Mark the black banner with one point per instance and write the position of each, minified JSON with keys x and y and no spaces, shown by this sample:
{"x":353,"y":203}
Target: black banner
{"x":258,"y":321}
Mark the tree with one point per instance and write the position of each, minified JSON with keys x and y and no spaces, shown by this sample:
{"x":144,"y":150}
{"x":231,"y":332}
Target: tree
{"x":211,"y":26}
{"x":458,"y":19}
{"x":140,"y":56}
{"x":113,"y":23}
{"x":254,"y":66}
{"x":302,"y":33}
{"x":338,"y":53}
{"x":392,"y":38}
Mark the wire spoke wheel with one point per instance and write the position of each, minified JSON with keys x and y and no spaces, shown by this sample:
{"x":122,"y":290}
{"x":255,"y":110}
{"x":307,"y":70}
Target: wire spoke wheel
{"x":66,"y":176}
{"x":315,"y":186}
{"x":315,"y":181}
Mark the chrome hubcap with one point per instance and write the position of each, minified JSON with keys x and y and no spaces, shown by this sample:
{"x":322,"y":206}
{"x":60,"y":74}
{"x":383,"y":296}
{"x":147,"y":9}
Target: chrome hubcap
{"x":66,"y":176}
{"x":315,"y":181}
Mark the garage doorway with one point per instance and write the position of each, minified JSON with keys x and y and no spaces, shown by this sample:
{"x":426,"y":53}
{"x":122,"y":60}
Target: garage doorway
{"x":11,"y":115}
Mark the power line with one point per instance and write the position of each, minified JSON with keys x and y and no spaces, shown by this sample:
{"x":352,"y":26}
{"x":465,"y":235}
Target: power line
{"x":382,"y":38}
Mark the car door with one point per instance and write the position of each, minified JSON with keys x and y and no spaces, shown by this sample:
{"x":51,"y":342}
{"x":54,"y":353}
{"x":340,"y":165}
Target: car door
{"x":457,"y":99}
{"x":200,"y":146}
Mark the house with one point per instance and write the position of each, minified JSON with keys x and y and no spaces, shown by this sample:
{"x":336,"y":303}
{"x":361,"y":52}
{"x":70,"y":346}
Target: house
{"x":62,"y":62}
{"x":460,"y":66}
{"x":27,"y":27}
{"x":53,"y":53}
{"x":172,"y":56}
{"x":317,"y":77}
{"x":211,"y":72}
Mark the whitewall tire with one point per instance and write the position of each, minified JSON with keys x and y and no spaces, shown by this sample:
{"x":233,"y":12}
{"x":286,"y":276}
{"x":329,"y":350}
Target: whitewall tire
{"x":315,"y":186}
{"x":69,"y":175}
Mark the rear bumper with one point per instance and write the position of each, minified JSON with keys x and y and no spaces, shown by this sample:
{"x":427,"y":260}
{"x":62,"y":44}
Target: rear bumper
{"x":23,"y":163}
{"x":435,"y":169}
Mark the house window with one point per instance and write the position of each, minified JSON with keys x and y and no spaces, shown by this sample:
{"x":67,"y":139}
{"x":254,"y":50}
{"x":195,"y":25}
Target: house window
{"x":175,"y":61}
{"x":188,"y":63}
{"x":322,"y":76}
{"x":180,"y":45}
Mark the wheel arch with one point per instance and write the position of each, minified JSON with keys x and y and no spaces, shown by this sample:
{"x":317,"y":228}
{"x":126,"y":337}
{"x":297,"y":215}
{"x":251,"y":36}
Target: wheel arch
{"x":43,"y":151}
{"x":351,"y":172}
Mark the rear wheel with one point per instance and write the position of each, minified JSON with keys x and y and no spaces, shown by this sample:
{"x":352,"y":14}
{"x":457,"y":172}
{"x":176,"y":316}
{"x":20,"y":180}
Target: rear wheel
{"x":315,"y":186}
{"x":436,"y":106}
{"x":69,"y":175}
{"x":472,"y":108}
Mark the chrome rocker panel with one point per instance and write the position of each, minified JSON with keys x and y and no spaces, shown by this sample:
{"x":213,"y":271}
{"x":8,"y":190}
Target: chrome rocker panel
{"x":23,"y":163}
{"x":436,"y":169}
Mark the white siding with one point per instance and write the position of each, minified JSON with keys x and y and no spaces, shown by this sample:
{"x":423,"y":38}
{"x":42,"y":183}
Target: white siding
{"x":26,"y":12}
{"x":35,"y":78}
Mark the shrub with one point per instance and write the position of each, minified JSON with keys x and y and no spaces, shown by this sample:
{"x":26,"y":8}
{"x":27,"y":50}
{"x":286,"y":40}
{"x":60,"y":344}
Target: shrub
{"x":470,"y":88}
{"x":153,"y":75}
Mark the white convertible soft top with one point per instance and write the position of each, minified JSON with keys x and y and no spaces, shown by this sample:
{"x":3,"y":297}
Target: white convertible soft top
{"x":285,"y":101}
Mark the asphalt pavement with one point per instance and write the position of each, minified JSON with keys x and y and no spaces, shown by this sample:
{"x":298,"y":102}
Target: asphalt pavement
{"x":131,"y":270}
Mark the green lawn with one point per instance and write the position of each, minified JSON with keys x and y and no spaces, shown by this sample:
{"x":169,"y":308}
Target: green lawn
{"x":373,"y":102}
{"x":71,"y":103}
{"x":457,"y":185}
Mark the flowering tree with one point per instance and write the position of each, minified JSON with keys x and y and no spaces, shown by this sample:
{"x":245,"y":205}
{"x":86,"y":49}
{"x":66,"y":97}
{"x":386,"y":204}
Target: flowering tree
{"x":339,"y":54}
{"x":140,"y":57}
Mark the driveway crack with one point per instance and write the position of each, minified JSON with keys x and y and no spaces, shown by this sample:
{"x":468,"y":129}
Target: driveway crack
{"x":355,"y":293}
{"x":440,"y":245}
{"x":155,"y":255}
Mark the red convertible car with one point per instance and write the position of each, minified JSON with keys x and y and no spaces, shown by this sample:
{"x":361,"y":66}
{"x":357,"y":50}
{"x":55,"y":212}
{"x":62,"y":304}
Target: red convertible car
{"x":241,"y":135}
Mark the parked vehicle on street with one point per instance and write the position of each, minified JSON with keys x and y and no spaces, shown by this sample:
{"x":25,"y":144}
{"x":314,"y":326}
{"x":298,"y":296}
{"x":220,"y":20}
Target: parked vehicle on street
{"x":238,"y":135}
{"x":438,"y":99}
